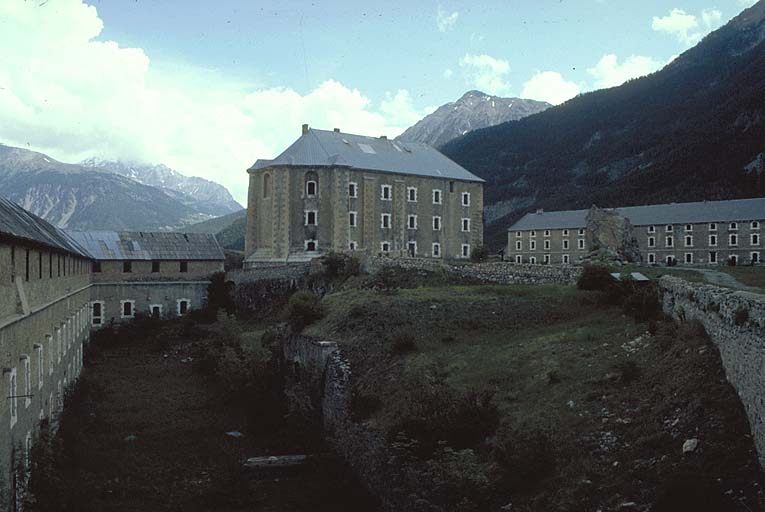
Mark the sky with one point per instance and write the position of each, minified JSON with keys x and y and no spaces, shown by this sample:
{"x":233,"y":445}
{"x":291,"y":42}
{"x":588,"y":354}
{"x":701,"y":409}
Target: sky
{"x":209,"y":87}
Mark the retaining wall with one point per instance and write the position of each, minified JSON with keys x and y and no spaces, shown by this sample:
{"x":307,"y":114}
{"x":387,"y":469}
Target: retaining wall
{"x":735,"y":321}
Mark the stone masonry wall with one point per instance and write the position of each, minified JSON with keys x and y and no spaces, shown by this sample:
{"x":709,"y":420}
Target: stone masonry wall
{"x":492,"y":272}
{"x":735,"y":321}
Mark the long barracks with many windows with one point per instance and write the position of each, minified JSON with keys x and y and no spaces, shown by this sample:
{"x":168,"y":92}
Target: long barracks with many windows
{"x":700,"y":233}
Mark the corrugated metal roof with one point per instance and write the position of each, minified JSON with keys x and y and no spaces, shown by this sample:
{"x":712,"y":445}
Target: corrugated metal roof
{"x":142,"y":245}
{"x":735,"y":210}
{"x":16,"y":222}
{"x":321,"y":148}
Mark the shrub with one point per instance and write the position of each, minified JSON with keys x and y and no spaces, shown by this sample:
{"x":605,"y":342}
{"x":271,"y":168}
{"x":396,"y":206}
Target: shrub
{"x":303,"y":309}
{"x":340,"y":265}
{"x":524,"y":456}
{"x":364,"y":405}
{"x":641,"y":302}
{"x":595,"y":278}
{"x":479,"y":254}
{"x":220,"y":295}
{"x":741,"y":316}
{"x":629,"y":371}
{"x":402,"y":343}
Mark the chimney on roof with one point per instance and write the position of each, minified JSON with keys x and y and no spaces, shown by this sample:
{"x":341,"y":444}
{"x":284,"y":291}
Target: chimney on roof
{"x":540,"y":211}
{"x":305,"y":129}
{"x":383,"y":137}
{"x":337,"y":130}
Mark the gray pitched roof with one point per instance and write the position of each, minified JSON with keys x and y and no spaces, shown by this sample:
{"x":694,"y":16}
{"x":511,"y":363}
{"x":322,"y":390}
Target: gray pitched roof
{"x":18,"y":223}
{"x":735,"y":210}
{"x":321,"y":148}
{"x":127,"y":245}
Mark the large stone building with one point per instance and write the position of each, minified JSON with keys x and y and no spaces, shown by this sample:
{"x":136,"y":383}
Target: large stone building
{"x":55,"y":286}
{"x":44,"y":322}
{"x":333,"y":191}
{"x":700,"y":233}
{"x":159,"y":274}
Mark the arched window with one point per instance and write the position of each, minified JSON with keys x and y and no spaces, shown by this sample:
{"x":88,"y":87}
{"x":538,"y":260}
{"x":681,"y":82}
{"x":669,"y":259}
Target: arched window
{"x":311,"y":187}
{"x":266,"y":185}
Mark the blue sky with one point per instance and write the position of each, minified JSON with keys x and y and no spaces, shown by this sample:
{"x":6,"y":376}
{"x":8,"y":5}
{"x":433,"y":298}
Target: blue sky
{"x":209,"y":87}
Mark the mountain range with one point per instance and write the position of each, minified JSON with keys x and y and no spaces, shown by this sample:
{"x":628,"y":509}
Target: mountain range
{"x":103,"y":195}
{"x":694,"y":130}
{"x":472,"y":111}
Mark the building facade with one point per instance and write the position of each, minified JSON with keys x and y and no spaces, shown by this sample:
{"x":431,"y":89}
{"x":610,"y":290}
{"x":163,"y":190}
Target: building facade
{"x":44,"y":324}
{"x":336,"y":192}
{"x":699,"y":233}
{"x":160,"y":274}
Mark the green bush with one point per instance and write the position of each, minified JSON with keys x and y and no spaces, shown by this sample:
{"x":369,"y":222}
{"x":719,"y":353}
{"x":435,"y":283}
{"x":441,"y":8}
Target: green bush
{"x":220,"y":295}
{"x":641,"y":301}
{"x":402,"y":343}
{"x":479,"y":254}
{"x":595,"y":278}
{"x":303,"y":309}
{"x":340,"y":265}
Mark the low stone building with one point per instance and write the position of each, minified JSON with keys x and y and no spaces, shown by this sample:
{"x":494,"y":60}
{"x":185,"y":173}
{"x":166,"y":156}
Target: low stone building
{"x":699,"y":233}
{"x":334,"y":191}
{"x":159,"y":274}
{"x":44,"y":324}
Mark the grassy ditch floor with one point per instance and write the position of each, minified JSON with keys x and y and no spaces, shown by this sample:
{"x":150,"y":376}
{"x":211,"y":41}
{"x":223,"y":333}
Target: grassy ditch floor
{"x":145,"y":430}
{"x":544,"y":398}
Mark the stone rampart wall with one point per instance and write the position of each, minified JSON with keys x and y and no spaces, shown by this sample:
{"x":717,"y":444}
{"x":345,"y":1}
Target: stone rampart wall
{"x":735,"y":321}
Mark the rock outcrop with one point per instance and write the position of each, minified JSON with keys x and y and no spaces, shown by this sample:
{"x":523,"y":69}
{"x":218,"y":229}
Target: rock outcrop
{"x":611,"y":237}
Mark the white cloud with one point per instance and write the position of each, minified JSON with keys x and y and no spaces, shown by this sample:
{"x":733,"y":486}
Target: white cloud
{"x":486,"y":73}
{"x":66,"y":94}
{"x":549,"y":86}
{"x":688,"y":28}
{"x":446,"y":21}
{"x":448,"y":73}
{"x":608,"y":72}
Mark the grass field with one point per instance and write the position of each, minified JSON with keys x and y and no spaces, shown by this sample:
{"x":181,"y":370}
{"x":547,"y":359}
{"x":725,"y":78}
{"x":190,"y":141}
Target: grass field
{"x":615,"y":401}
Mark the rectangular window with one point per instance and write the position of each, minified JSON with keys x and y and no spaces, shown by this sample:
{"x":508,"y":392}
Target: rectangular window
{"x":669,"y":228}
{"x":26,"y":274}
{"x":532,"y":245}
{"x":669,"y":242}
{"x":310,"y":245}
{"x":688,"y":257}
{"x":547,"y":245}
{"x":518,"y":245}
{"x":713,"y":240}
{"x":581,"y":231}
{"x":754,"y":257}
{"x":183,"y":306}
{"x":411,"y":249}
{"x":97,"y":313}
{"x":566,"y":259}
{"x":546,"y":259}
{"x":565,"y":232}
{"x":733,"y":226}
{"x":689,"y":241}
{"x":713,"y":226}
{"x":352,"y":219}
{"x":436,"y":223}
{"x":310,"y":189}
{"x":96,"y":267}
{"x":39,"y":265}
{"x":451,"y":187}
{"x":547,"y":232}
{"x":580,"y":244}
{"x":127,"y":308}
{"x":353,"y":189}
{"x":353,"y":246}
{"x":532,"y":234}
{"x":127,"y":267}
{"x":155,"y":267}
{"x":754,"y":239}
{"x":411,"y":222}
{"x":27,"y":365}
{"x":651,"y":258}
{"x":533,"y":260}
{"x":436,"y":250}
{"x":40,"y":365}
{"x":12,"y":396}
{"x":518,"y":234}
{"x":519,"y":259}
{"x":651,"y":241}
{"x":466,"y":199}
{"x":311,"y":217}
{"x":385,"y":246}
{"x":754,"y":225}
{"x":411,"y":194}
{"x":184,"y":266}
{"x":385,"y":221}
{"x":466,"y":225}
{"x":386,"y":192}
{"x":565,"y":244}
{"x":689,"y":227}
{"x":436,"y":196}
{"x":733,"y":240}
{"x":652,"y":229}
{"x":465,"y":250}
